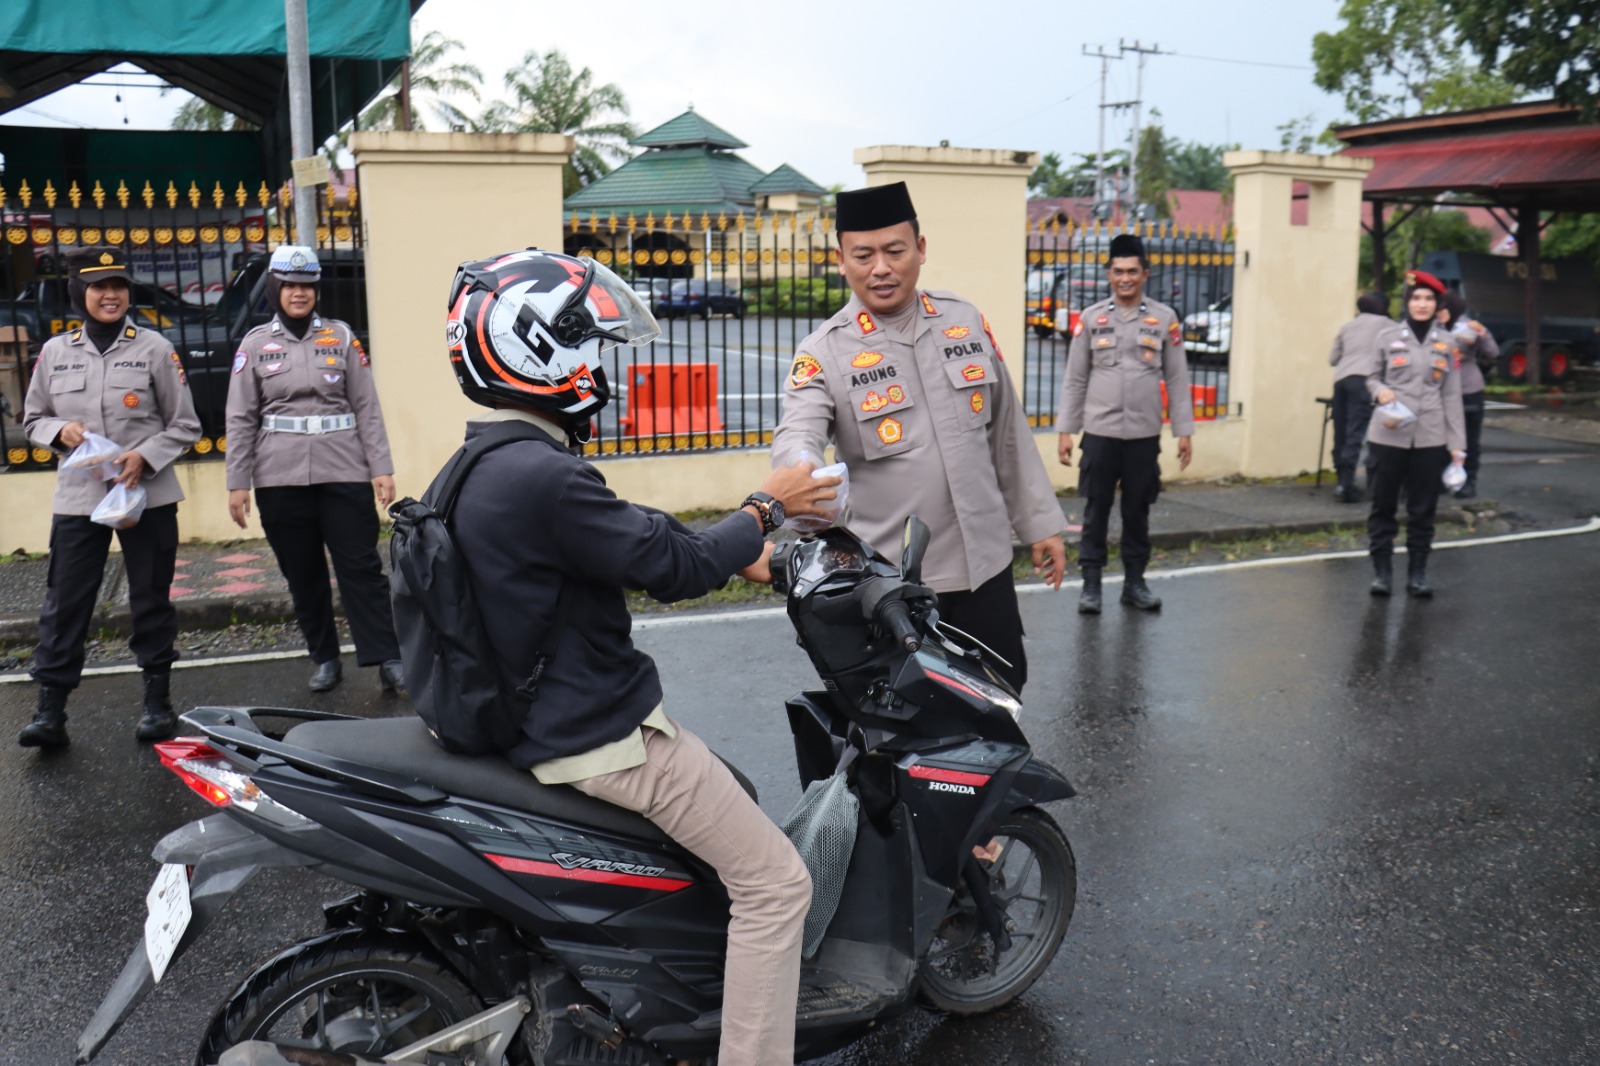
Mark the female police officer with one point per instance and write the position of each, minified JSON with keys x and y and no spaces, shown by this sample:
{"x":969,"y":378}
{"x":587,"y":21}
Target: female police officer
{"x":305,"y":430}
{"x":125,"y":383}
{"x":1417,"y":366}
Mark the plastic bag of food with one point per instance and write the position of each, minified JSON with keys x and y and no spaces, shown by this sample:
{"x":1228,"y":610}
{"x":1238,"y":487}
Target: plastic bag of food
{"x":816,"y":523}
{"x":1395,"y":414}
{"x":121,"y":508}
{"x":93,"y":458}
{"x":1455,"y":475}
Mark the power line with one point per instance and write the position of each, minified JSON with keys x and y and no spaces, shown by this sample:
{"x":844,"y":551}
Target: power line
{"x":1240,"y":62}
{"x":55,"y":118}
{"x":1036,"y":114}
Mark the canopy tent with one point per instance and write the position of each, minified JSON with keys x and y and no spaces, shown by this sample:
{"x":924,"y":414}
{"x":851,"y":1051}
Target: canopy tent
{"x":227,"y":52}
{"x":1525,"y":159}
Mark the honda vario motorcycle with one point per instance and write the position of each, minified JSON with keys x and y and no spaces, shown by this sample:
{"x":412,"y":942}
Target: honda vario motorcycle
{"x":482,"y":896}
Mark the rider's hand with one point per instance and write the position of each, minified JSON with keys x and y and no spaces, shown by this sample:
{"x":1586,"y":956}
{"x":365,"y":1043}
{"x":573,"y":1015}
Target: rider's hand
{"x":799,"y":492}
{"x":760,"y":571}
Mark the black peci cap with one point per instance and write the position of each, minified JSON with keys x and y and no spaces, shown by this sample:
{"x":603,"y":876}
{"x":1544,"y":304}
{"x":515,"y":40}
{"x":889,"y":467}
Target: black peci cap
{"x":877,"y":207}
{"x":98,"y":264}
{"x":1125,"y":246}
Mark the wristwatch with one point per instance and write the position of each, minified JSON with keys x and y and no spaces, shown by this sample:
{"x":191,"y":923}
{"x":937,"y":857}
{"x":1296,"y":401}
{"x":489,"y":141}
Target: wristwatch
{"x":771,"y":510}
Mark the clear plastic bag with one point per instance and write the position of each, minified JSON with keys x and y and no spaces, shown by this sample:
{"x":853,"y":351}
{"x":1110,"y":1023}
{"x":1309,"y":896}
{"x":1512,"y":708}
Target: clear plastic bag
{"x":92,"y":458}
{"x":1455,"y":475}
{"x":816,"y":523}
{"x":1395,"y":415}
{"x":121,"y":508}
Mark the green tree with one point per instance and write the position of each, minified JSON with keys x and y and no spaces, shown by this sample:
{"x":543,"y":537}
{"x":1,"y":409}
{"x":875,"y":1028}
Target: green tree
{"x":1541,"y":45}
{"x":434,"y":82}
{"x":1401,"y":57}
{"x":1437,"y":229}
{"x":197,"y":114}
{"x":1151,"y":171}
{"x":547,"y":96}
{"x":1193,"y":165}
{"x":1048,"y":179}
{"x":1576,"y":235}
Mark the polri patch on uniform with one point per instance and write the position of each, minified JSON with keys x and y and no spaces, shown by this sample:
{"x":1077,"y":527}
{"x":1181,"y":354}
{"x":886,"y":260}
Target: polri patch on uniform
{"x":1175,"y":332}
{"x":977,"y":402}
{"x":327,"y":342}
{"x":1151,"y":320}
{"x":1104,"y":342}
{"x":896,"y":394}
{"x":955,"y":333}
{"x":873,"y":403}
{"x":130,"y":400}
{"x":240,"y":359}
{"x":1151,"y":343}
{"x":866,"y":359}
{"x":865,"y":323}
{"x":1103,"y":320}
{"x":890,"y":431}
{"x":1400,"y":360}
{"x":273,"y":347}
{"x":973,"y":372}
{"x":805,"y":369}
{"x":332,"y":379}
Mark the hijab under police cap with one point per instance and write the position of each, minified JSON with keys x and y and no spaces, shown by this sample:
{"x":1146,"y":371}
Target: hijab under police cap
{"x":878,"y":207}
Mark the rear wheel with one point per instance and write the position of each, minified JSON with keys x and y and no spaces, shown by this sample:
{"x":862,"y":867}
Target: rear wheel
{"x":1044,"y":331}
{"x":1557,"y":366}
{"x":1514,"y":366}
{"x":1035,"y":885}
{"x":353,"y":992}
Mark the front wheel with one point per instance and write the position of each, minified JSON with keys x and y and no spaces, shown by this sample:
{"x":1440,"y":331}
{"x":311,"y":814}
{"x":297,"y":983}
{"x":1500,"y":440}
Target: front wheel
{"x":353,"y":992}
{"x":1035,"y":885}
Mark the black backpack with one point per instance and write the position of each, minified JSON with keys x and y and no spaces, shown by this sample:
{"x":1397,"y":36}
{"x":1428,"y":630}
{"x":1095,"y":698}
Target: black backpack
{"x":452,"y":678}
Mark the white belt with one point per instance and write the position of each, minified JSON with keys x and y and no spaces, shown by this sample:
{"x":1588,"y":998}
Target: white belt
{"x":307,"y":423}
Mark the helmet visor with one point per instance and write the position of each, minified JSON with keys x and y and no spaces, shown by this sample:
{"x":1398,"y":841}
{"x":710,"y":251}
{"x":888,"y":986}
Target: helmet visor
{"x":617,"y":314}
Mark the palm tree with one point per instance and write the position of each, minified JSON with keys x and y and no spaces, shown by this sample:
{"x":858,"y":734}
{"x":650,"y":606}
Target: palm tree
{"x":197,"y":114}
{"x":432,"y":79}
{"x":547,"y":97}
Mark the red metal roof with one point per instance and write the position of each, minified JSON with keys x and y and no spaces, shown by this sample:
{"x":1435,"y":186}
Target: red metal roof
{"x":1560,"y":166}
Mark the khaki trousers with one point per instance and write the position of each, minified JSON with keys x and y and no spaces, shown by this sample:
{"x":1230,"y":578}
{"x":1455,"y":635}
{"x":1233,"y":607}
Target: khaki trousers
{"x":686,"y":790}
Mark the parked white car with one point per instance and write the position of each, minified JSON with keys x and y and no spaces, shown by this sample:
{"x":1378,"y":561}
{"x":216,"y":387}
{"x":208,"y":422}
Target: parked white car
{"x":1210,"y":332}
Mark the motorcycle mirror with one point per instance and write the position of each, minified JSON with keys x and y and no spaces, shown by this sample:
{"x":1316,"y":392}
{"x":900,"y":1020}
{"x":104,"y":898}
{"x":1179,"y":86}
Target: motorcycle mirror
{"x":913,"y":545}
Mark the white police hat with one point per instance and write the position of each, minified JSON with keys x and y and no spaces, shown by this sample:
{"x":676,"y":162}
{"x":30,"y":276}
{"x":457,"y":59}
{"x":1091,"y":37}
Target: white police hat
{"x":294,"y":262}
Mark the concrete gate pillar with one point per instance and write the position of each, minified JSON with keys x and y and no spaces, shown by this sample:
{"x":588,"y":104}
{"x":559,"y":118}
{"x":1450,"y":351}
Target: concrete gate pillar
{"x":430,"y":201}
{"x":972,"y":205}
{"x":1293,"y":287}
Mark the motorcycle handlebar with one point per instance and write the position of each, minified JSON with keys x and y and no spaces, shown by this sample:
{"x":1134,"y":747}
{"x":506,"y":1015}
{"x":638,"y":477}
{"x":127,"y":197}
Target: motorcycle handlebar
{"x":896,"y":617}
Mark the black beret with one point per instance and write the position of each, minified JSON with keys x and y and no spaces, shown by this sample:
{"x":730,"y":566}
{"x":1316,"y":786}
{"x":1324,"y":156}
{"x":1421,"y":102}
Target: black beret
{"x":1125,"y":246}
{"x":99,"y":264}
{"x":877,"y":207}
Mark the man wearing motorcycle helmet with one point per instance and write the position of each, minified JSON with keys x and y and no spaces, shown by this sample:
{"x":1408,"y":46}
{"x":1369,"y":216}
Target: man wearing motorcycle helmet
{"x":525,"y":335}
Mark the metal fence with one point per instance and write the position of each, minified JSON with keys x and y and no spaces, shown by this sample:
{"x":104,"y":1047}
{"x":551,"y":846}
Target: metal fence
{"x":1191,"y":270}
{"x":197,"y":256}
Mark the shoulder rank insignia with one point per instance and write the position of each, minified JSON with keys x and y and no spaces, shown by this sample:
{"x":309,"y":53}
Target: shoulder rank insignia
{"x":183,"y":377}
{"x":805,"y":369}
{"x":955,"y":333}
{"x":866,"y":359}
{"x":927,"y":305}
{"x":130,"y":333}
{"x":865,"y":322}
{"x":998,"y":354}
{"x":361,"y":351}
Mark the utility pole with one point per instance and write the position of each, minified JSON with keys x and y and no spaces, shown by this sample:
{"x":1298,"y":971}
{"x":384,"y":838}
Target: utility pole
{"x":1100,"y":146}
{"x":298,"y":56}
{"x":1138,"y":99}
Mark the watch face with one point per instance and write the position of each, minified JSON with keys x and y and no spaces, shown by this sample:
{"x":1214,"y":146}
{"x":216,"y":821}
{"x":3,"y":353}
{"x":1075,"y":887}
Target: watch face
{"x":775,"y":509}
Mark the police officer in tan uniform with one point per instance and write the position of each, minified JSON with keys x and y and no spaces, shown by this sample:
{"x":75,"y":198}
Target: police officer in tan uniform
{"x":305,"y":430}
{"x":1478,"y":349}
{"x":1122,"y":350}
{"x":1417,"y":365}
{"x":1353,"y":358}
{"x":910,"y":388}
{"x":127,"y":384}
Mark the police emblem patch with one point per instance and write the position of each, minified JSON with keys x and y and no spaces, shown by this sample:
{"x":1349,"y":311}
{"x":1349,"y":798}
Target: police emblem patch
{"x":874,"y":403}
{"x":328,"y":342}
{"x":130,"y":400}
{"x":1151,"y":320}
{"x":866,"y":359}
{"x":977,"y":402}
{"x":805,"y":369}
{"x":239,"y":361}
{"x":1103,"y":320}
{"x":332,"y":379}
{"x":272,"y":347}
{"x":890,"y":431}
{"x":973,"y":372}
{"x":955,"y":333}
{"x":1400,"y":360}
{"x":896,"y":394}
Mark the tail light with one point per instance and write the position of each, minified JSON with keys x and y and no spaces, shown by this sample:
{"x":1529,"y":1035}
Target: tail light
{"x":218,"y":782}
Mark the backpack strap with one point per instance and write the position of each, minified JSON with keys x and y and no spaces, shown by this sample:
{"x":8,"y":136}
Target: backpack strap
{"x":529,"y":689}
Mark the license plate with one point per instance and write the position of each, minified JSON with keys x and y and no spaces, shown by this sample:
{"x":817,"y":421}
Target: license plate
{"x":168,"y":903}
{"x":1193,"y":336}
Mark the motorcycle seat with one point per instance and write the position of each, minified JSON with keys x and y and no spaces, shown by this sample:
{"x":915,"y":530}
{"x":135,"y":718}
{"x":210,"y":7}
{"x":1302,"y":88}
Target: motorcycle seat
{"x":403,"y":746}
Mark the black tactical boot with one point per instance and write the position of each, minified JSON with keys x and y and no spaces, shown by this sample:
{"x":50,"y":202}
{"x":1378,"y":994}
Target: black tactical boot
{"x":1135,"y":593}
{"x":1469,"y":490}
{"x":49,"y":726}
{"x":326,"y":676}
{"x":1089,"y":597}
{"x":1383,"y":575}
{"x":1348,"y":492}
{"x":1417,"y":575}
{"x":392,"y":675}
{"x":158,"y":722}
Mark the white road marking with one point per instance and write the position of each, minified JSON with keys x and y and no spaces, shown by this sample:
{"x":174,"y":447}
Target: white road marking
{"x":708,"y":618}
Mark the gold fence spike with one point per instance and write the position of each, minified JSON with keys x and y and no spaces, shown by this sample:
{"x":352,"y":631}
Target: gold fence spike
{"x":649,"y":220}
{"x":611,"y":223}
{"x":594,"y":222}
{"x":25,"y":194}
{"x":264,"y":195}
{"x":811,"y":223}
{"x":240,"y":196}
{"x":667,"y":222}
{"x":740,"y":220}
{"x":218,"y":196}
{"x":705,"y":220}
{"x":722,"y":220}
{"x":98,"y":194}
{"x":172,"y":195}
{"x":2,"y":196}
{"x":350,"y":197}
{"x":74,"y":194}
{"x":122,"y":194}
{"x":148,"y":195}
{"x":632,"y":223}
{"x":793,"y":219}
{"x":574,"y":224}
{"x":49,"y":194}
{"x":194,"y":195}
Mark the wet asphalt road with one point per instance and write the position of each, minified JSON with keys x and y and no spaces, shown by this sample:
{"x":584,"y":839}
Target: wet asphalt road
{"x":1314,"y":827}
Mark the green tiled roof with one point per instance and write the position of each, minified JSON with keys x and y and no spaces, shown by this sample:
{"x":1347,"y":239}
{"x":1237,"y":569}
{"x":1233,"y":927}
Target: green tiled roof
{"x":671,"y":178}
{"x":686,"y":131}
{"x":787,"y":179}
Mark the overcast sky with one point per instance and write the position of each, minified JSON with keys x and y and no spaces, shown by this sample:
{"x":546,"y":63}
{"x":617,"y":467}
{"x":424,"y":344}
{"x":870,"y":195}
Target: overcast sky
{"x":806,"y":83}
